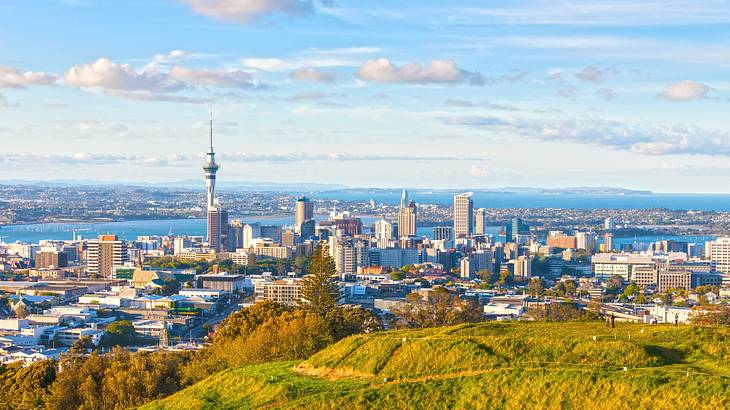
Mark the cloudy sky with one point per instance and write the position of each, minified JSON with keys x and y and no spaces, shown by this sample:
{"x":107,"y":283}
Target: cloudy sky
{"x":459,"y":93}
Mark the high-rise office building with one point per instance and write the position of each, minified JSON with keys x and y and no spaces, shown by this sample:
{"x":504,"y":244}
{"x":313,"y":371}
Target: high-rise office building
{"x":289,"y":238}
{"x":406,"y":216}
{"x":250,"y":232}
{"x":516,"y":228}
{"x":103,"y":254}
{"x":303,"y":211}
{"x":307,"y":229}
{"x":609,"y":224}
{"x":608,"y":242}
{"x":235,"y":235}
{"x":463,"y":215}
{"x":271,"y":231}
{"x":586,"y":241}
{"x":523,"y":267}
{"x":467,"y":267}
{"x":480,"y":221}
{"x":384,"y":233}
{"x":718,"y":251}
{"x":217,"y":228}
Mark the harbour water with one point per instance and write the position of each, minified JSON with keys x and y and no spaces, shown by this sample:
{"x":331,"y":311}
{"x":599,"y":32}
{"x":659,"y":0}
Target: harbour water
{"x":129,"y":230}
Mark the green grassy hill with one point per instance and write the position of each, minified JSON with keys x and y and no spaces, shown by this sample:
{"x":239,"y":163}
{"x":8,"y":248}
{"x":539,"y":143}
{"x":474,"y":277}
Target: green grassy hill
{"x":489,"y":365}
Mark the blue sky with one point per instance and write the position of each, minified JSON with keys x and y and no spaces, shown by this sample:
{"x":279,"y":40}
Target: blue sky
{"x":455,"y":94}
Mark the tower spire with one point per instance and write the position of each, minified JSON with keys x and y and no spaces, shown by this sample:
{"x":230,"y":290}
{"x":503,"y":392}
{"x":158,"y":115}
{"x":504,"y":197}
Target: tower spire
{"x":211,"y":127}
{"x":210,"y":167}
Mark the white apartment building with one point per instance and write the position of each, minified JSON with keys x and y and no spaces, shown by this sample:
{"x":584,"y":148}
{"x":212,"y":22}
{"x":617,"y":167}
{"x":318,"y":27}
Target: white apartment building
{"x":606,"y":265}
{"x":718,"y":251}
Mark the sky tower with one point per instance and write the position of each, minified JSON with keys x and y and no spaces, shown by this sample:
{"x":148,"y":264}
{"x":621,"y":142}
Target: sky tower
{"x":210,"y":166}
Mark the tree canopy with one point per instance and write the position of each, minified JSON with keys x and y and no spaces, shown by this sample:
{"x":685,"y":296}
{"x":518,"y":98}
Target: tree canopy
{"x":319,"y":289}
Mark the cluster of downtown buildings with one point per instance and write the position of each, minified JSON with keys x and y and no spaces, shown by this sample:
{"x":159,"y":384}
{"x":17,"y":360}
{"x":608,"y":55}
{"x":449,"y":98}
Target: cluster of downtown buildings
{"x":66,"y":289}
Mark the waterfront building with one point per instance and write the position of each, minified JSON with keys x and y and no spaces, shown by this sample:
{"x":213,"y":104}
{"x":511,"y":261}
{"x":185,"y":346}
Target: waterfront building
{"x":608,"y":242}
{"x":406,"y":216}
{"x":609,"y":224}
{"x":180,"y":243}
{"x":480,"y":220}
{"x":463,"y":215}
{"x":303,"y":211}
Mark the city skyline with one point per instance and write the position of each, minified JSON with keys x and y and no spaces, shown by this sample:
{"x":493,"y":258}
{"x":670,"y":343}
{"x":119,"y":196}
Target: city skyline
{"x":505,"y":94}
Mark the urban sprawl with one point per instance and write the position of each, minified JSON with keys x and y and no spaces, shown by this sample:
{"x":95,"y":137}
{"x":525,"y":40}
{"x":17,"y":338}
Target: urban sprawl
{"x":169,"y":292}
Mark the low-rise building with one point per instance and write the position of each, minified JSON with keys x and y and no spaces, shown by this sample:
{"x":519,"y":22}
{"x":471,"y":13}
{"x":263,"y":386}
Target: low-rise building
{"x":224,"y":282}
{"x":285,"y":291}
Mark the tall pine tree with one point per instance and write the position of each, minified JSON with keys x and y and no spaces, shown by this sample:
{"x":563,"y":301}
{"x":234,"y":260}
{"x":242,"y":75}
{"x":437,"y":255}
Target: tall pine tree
{"x":319,"y":289}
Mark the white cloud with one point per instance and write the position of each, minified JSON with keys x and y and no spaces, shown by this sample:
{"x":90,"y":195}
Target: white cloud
{"x":613,"y":13}
{"x":247,"y":11}
{"x":145,"y":95}
{"x":641,"y":138}
{"x":279,"y":64}
{"x":310,"y":74}
{"x":155,"y":82}
{"x":11,"y":77}
{"x":686,"y":90}
{"x":301,"y":156}
{"x":213,"y":78}
{"x":81,"y":158}
{"x":383,"y":70}
{"x":106,"y":74}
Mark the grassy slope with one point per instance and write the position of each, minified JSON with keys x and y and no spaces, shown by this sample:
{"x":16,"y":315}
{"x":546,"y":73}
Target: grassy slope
{"x":490,"y":365}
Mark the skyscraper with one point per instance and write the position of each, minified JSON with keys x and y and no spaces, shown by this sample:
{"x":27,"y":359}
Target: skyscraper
{"x":608,"y":242}
{"x":463,"y":215}
{"x":718,"y":251}
{"x":518,"y":227}
{"x":384,"y":233}
{"x":480,"y":221}
{"x":406,"y":216}
{"x":303,"y":211}
{"x":609,"y":224}
{"x":217,"y":217}
{"x":103,"y":254}
{"x":217,"y":228}
{"x":586,"y":241}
